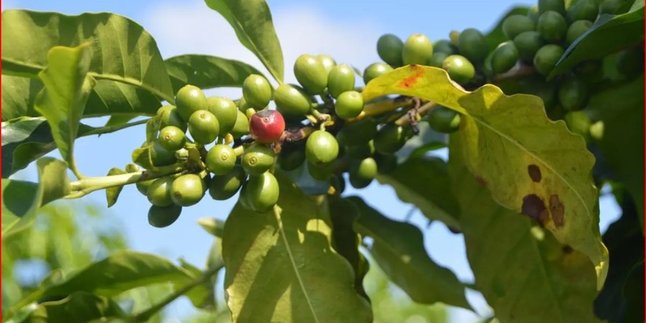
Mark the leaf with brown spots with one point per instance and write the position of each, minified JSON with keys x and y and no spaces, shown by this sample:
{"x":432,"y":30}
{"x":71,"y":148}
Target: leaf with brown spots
{"x":499,"y":137}
{"x":525,"y":274}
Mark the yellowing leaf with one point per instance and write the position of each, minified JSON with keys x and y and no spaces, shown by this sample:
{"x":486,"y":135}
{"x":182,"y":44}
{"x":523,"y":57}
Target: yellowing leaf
{"x":530,"y":164}
{"x":523,"y":272}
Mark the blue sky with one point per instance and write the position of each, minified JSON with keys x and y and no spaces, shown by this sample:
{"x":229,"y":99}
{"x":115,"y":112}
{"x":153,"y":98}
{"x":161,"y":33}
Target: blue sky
{"x":347,"y":30}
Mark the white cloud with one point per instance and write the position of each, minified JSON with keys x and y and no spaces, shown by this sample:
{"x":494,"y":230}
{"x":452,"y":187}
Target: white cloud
{"x":181,"y":28}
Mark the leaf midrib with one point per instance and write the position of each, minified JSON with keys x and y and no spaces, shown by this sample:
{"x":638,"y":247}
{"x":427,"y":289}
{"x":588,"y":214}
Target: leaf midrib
{"x":104,"y":76}
{"x":292,"y":261}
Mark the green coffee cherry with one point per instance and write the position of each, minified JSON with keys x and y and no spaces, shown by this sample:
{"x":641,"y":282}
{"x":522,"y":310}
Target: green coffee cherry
{"x":223,"y":187}
{"x":577,"y":29}
{"x":552,"y":26}
{"x":161,"y":156}
{"x":363,"y":172}
{"x":203,"y":127}
{"x":579,"y":123}
{"x":290,"y":159}
{"x":389,"y":139}
{"x":358,"y":133}
{"x":310,"y":73}
{"x":187,"y":189}
{"x":527,"y":43}
{"x":225,"y":110}
{"x":168,"y":116}
{"x":348,"y":105}
{"x":321,"y":148}
{"x":256,"y":91}
{"x":418,"y":49}
{"x":340,"y":79}
{"x":546,"y":58}
{"x":220,"y":159}
{"x":172,"y":138}
{"x":260,"y":193}
{"x":375,"y":69}
{"x":241,"y":127}
{"x":583,"y":10}
{"x":291,"y":101}
{"x":143,"y":187}
{"x":257,"y":159}
{"x":504,"y":57}
{"x":389,"y":48}
{"x":573,"y":94}
{"x":444,"y":120}
{"x":159,"y":191}
{"x":513,"y":25}
{"x":437,"y":59}
{"x":551,"y":5}
{"x":459,"y":68}
{"x":161,"y":217}
{"x":189,"y":99}
{"x":327,"y":61}
{"x":444,"y":46}
{"x":473,"y":45}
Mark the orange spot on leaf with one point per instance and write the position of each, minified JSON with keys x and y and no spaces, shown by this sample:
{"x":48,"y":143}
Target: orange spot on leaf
{"x":411,"y":80}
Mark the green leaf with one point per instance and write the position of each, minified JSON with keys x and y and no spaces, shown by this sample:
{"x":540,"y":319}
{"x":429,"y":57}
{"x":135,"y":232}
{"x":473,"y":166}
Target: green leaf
{"x":121,"y":271}
{"x":106,"y":98}
{"x":207,"y":71}
{"x":112,"y":193}
{"x":203,"y":295}
{"x":212,"y":225}
{"x":18,"y":95}
{"x":120,"y":100}
{"x":63,"y":99}
{"x":82,"y":307}
{"x":23,"y":141}
{"x":21,"y":199}
{"x":251,"y":20}
{"x":280,"y":266}
{"x":121,"y":49}
{"x":523,"y":272}
{"x":625,"y":242}
{"x":509,"y":139}
{"x":398,"y":248}
{"x":621,"y":109}
{"x":26,"y":139}
{"x":496,"y":36}
{"x":422,"y":181}
{"x":346,"y":241}
{"x":608,"y":34}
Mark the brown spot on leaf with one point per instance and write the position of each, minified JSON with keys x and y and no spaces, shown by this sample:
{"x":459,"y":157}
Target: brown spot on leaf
{"x":567,"y":249}
{"x":534,"y":207}
{"x":481,"y":181}
{"x":534,"y":173}
{"x":411,"y":80}
{"x":557,"y":209}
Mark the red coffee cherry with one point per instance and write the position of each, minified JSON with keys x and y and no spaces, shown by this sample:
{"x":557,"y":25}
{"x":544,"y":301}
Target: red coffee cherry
{"x":267,"y":126}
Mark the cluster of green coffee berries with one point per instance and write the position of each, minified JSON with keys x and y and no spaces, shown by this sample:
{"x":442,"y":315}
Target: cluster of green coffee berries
{"x":223,"y":146}
{"x":536,"y":42}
